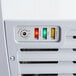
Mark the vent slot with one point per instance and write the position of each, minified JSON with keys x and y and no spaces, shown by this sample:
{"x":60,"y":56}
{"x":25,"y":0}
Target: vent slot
{"x":38,"y":62}
{"x":74,"y":74}
{"x":39,"y":75}
{"x":46,"y":49}
{"x":74,"y":37}
{"x":74,"y":61}
{"x":74,"y":49}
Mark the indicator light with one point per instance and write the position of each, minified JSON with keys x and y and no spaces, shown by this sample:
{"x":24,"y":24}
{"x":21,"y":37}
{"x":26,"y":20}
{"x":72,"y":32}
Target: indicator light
{"x":45,"y":33}
{"x":53,"y":33}
{"x":36,"y":33}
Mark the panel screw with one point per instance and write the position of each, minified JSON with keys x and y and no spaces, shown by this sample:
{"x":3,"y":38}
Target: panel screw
{"x":12,"y":58}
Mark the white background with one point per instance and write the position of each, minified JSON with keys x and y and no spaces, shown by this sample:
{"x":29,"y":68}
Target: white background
{"x":39,"y":9}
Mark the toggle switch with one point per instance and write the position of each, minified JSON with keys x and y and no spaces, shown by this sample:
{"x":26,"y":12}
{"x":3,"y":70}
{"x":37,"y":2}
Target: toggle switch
{"x":53,"y":33}
{"x":36,"y":33}
{"x":45,"y":33}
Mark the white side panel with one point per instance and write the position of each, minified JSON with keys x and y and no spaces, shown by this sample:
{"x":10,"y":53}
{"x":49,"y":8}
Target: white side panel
{"x":3,"y":56}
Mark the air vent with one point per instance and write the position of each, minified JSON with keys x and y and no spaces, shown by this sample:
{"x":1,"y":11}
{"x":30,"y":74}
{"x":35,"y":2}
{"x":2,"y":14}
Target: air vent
{"x":42,"y":49}
{"x":74,"y":49}
{"x":74,"y":74}
{"x":74,"y":61}
{"x":38,"y":62}
{"x":74,"y":37}
{"x":39,"y":75}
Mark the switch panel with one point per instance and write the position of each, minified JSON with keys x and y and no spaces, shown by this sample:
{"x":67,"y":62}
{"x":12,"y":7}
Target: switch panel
{"x":37,"y":33}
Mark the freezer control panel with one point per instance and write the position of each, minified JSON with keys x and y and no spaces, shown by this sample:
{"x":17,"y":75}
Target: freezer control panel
{"x":37,"y":33}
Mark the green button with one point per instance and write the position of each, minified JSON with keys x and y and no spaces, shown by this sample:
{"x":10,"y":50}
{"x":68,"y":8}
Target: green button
{"x":45,"y":33}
